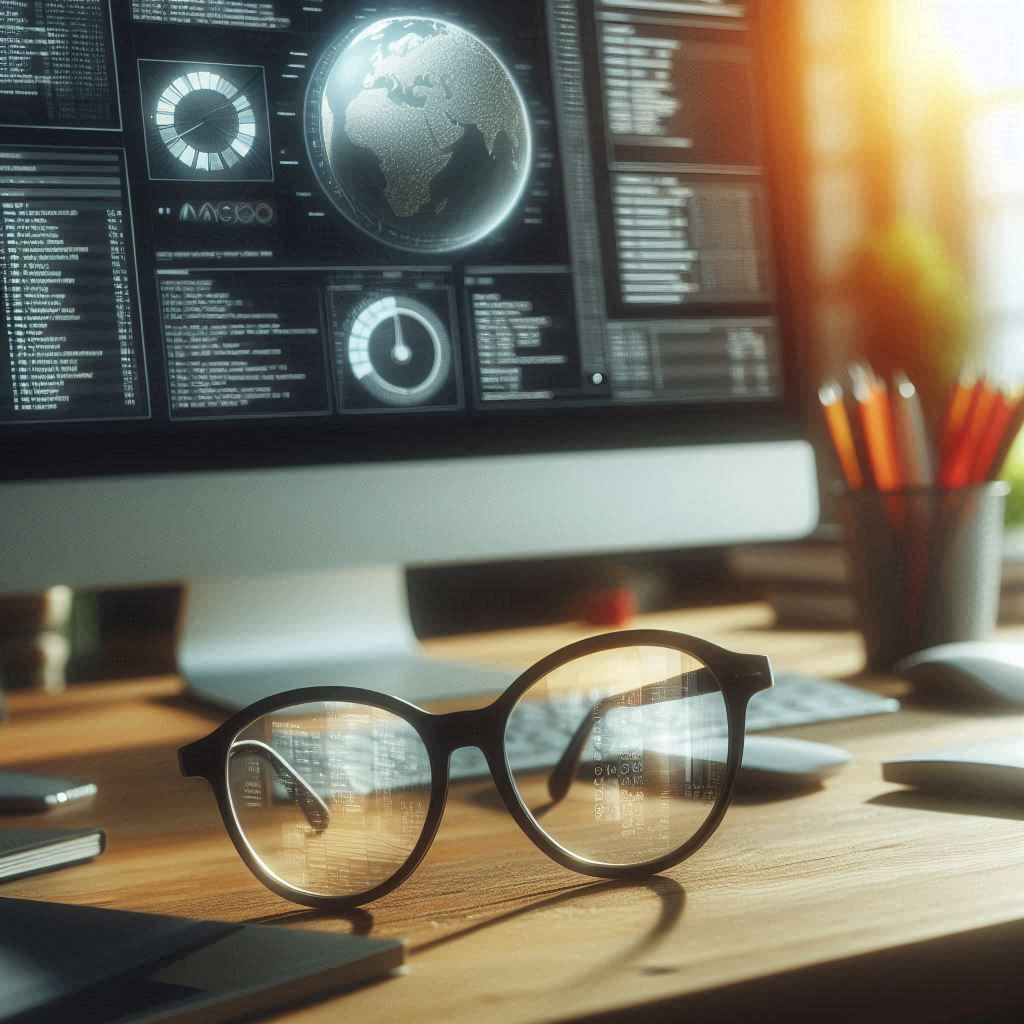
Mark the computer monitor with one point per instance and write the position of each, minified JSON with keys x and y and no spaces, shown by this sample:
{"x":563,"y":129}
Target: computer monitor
{"x":297,"y":293}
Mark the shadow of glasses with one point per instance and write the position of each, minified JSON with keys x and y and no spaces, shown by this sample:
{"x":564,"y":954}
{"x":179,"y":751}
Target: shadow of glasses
{"x":669,"y":893}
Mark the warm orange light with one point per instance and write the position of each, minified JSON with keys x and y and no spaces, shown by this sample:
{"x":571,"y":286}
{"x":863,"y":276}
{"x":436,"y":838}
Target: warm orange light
{"x":975,"y":42}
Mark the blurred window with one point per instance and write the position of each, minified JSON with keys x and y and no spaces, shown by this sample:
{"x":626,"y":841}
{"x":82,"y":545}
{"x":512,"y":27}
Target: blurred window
{"x":982,"y":42}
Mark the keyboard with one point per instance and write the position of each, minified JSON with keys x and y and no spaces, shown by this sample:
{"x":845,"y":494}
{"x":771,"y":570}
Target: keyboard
{"x":802,"y":700}
{"x":544,"y":728}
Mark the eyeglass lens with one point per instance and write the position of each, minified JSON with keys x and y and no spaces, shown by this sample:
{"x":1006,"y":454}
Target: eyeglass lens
{"x":330,"y":797}
{"x":644,"y":752}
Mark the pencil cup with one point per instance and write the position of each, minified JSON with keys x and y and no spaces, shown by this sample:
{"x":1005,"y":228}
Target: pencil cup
{"x":925,"y":565}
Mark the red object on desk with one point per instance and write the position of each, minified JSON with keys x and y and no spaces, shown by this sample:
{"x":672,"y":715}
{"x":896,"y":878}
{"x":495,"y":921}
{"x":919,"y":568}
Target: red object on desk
{"x":610,"y":606}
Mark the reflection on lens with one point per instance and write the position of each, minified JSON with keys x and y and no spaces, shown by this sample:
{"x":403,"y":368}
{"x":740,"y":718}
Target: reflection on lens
{"x":331,"y":797}
{"x":639,"y":742}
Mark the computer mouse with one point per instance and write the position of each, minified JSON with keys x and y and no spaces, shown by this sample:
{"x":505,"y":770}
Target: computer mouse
{"x":777,"y":763}
{"x":974,"y":672}
{"x":989,"y":769}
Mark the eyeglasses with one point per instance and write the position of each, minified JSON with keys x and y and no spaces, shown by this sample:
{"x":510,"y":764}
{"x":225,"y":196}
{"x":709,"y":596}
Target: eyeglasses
{"x":617,"y":756}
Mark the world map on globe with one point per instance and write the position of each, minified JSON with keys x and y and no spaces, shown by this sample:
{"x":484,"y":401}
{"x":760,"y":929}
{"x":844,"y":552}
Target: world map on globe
{"x":425,"y":133}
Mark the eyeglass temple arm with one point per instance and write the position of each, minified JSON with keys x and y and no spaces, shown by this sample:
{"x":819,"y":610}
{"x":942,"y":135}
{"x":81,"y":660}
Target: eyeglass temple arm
{"x":317,"y":813}
{"x":691,"y":684}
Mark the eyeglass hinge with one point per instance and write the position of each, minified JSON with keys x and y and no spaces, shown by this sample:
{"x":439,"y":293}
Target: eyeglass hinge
{"x":755,"y":673}
{"x":197,"y":759}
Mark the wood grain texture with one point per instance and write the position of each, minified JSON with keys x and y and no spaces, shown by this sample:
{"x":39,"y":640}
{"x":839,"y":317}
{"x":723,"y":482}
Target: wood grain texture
{"x":804,"y":905}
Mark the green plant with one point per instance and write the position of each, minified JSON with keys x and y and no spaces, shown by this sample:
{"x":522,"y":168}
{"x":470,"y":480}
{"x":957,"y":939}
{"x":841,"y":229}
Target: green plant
{"x":1013,"y":474}
{"x":917,"y":309}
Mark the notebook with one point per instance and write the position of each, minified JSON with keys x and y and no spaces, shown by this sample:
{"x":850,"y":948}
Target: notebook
{"x":62,"y":964}
{"x":27,"y":851}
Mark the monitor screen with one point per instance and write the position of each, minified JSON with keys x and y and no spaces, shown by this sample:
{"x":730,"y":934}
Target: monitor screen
{"x":270,"y":232}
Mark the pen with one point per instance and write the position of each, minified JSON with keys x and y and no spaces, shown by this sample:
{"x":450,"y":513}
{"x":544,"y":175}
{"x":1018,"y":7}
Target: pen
{"x":830,"y":394}
{"x":914,"y":449}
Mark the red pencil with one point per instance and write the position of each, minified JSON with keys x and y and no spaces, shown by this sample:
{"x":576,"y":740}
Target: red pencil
{"x":957,"y":405}
{"x":1009,"y":436}
{"x":956,"y":466}
{"x":992,"y":436}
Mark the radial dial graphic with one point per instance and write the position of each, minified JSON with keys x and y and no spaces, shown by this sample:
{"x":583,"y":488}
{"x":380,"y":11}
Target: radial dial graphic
{"x":206,"y":122}
{"x":399,"y":351}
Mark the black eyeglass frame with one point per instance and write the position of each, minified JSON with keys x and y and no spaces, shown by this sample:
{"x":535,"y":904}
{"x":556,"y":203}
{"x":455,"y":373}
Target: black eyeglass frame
{"x":739,"y":677}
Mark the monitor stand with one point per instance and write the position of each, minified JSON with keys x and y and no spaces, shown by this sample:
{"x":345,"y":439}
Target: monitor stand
{"x":245,"y":639}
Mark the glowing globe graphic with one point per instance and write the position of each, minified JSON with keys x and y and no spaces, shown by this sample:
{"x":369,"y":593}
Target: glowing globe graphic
{"x":418,"y":133}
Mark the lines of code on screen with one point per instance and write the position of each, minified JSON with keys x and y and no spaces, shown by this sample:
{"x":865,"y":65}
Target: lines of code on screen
{"x":57,"y":64}
{"x":70,"y":341}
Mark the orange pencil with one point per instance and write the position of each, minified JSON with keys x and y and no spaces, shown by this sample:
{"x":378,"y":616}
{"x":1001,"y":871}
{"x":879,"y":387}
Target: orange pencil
{"x":830,"y":394}
{"x":956,"y":468}
{"x":879,"y":431}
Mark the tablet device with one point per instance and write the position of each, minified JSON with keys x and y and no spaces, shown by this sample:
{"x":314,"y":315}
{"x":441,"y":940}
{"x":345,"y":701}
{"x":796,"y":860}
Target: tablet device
{"x":63,"y":964}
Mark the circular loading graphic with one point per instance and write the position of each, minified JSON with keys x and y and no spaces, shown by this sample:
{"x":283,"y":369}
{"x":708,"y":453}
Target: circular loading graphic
{"x":205,"y":122}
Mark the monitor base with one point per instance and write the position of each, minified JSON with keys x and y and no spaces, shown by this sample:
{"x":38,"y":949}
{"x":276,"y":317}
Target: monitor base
{"x":245,"y":639}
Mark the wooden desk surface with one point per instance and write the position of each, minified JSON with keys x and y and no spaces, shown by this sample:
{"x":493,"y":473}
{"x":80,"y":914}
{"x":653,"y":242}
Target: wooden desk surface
{"x":860,"y":898}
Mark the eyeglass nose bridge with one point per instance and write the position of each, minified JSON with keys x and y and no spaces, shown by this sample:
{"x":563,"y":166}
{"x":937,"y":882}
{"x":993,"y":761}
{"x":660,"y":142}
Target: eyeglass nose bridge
{"x":465,"y":729}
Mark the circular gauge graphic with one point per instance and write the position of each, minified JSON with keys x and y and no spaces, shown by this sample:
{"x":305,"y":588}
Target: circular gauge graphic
{"x":206,"y":122}
{"x":418,"y":133}
{"x":399,"y":351}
